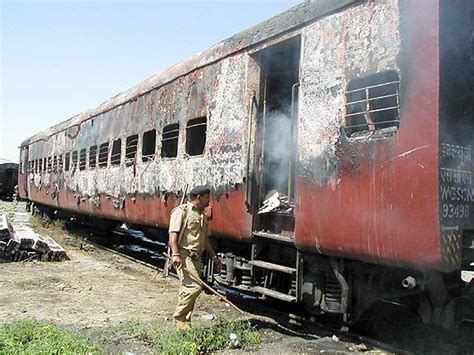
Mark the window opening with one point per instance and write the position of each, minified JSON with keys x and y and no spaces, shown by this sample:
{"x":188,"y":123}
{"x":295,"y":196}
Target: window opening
{"x":92,"y":157}
{"x":149,"y":145}
{"x":45,"y":165}
{"x":103,"y":154}
{"x":55,"y":163}
{"x":67,"y":162}
{"x":196,"y":136}
{"x":82,"y":159}
{"x":169,"y":141}
{"x":60,"y":162}
{"x":131,"y":146}
{"x":40,"y":165}
{"x":116,"y":150}
{"x":50,"y":164}
{"x":74,"y":160}
{"x":373,"y":103}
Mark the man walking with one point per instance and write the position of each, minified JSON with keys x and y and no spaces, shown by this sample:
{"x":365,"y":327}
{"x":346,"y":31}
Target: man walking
{"x":189,"y":237}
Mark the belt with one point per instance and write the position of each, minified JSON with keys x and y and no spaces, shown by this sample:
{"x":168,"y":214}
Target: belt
{"x":192,"y":254}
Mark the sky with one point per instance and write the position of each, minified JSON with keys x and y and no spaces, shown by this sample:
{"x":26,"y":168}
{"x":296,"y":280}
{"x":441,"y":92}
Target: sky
{"x":59,"y":58}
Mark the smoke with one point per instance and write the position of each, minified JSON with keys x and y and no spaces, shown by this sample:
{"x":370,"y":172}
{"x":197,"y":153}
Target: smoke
{"x":278,"y":150}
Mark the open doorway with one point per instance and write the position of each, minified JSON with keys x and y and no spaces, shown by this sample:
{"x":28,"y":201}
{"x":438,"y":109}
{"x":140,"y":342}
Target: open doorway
{"x":279,"y":77}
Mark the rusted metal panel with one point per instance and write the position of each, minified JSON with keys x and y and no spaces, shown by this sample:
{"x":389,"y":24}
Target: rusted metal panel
{"x":145,"y":191}
{"x":374,"y":200}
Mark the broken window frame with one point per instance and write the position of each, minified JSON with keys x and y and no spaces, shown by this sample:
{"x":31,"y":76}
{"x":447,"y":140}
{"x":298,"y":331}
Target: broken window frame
{"x":169,"y":141}
{"x":367,"y":108}
{"x":60,"y":163}
{"x":131,"y":148}
{"x":148,"y":145}
{"x":103,"y":156}
{"x":74,"y":160}
{"x":82,"y":159}
{"x":50,"y":164}
{"x":93,"y":157}
{"x":192,"y":135}
{"x":67,"y":161}
{"x":116,"y":152}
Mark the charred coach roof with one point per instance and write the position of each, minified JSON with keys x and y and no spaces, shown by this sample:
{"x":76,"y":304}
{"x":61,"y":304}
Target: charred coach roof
{"x":291,"y":19}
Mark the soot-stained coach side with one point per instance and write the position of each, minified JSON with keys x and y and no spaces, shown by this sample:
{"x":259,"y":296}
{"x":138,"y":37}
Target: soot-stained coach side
{"x":336,"y":138}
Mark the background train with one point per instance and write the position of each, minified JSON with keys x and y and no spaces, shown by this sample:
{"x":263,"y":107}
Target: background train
{"x":337,"y":139}
{"x":8,"y":180}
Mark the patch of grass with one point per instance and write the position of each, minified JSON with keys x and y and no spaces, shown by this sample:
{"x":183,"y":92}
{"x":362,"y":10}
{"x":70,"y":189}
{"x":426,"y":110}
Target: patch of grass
{"x":198,"y":339}
{"x":53,"y":229}
{"x":32,"y":337}
{"x":209,"y":339}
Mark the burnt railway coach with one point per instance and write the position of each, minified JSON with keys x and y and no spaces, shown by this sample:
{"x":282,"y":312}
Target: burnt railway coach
{"x":336,"y":137}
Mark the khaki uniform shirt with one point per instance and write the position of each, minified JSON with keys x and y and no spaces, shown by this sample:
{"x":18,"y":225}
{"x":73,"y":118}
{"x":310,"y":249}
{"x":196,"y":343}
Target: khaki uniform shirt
{"x":195,"y":232}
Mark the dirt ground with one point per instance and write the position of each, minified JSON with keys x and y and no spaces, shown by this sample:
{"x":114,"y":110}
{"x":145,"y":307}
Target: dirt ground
{"x":97,"y":289}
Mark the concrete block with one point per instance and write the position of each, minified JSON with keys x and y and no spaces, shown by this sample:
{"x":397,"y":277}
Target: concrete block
{"x":40,"y":246}
{"x":5,"y":227}
{"x":27,"y":237}
{"x":13,"y":244}
{"x":5,"y":257}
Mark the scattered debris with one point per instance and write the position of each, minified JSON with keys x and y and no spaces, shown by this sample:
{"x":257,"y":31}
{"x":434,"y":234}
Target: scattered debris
{"x":275,"y":200}
{"x":233,"y":341}
{"x":335,"y":338}
{"x":24,"y":244}
{"x":359,"y":347}
{"x":207,"y":316}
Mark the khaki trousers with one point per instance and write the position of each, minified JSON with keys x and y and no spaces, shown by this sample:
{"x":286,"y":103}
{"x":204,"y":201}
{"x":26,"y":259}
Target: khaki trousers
{"x":189,"y":290}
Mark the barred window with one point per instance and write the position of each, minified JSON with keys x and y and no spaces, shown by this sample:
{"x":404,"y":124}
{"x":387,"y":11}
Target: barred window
{"x":149,"y":145}
{"x":373,"y":103}
{"x":74,"y":160}
{"x":169,"y":141}
{"x":67,"y":161}
{"x":60,"y":162}
{"x":103,"y":154}
{"x":131,"y":146}
{"x":196,"y":136}
{"x":92,"y":156}
{"x":116,"y":152}
{"x":82,"y":159}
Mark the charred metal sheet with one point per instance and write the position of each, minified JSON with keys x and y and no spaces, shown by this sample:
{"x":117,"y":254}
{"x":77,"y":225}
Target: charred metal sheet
{"x":373,"y":198}
{"x":336,"y":49}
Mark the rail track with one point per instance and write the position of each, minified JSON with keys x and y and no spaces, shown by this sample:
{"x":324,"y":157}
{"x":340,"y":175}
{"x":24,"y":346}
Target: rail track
{"x":291,"y":321}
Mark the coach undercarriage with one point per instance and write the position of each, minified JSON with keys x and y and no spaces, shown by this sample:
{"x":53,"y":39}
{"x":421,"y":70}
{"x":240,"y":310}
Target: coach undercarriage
{"x":271,"y":267}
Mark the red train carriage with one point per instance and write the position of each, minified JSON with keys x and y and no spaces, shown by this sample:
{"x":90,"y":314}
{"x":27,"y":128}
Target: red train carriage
{"x":337,"y":139}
